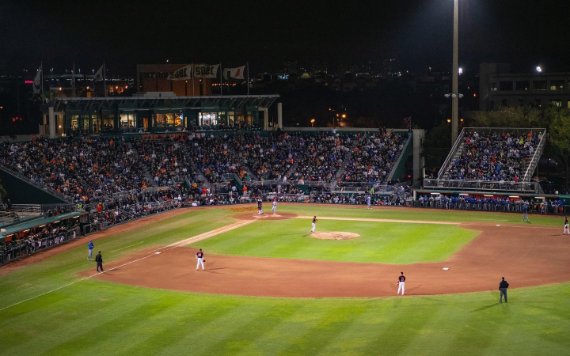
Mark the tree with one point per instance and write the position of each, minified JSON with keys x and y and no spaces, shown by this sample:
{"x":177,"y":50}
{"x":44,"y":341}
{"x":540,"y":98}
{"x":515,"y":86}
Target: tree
{"x":436,"y":147}
{"x":559,"y":135}
{"x":510,"y":117}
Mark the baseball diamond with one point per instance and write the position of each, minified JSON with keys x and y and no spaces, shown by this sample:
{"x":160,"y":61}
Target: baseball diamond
{"x":471,"y":269}
{"x":268,"y":285}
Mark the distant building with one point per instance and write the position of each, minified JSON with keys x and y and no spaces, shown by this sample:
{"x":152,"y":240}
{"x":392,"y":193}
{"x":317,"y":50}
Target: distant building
{"x":498,"y":87}
{"x":157,"y":78}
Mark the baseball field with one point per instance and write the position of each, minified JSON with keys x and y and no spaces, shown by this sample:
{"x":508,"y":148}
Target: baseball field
{"x":272,"y":287}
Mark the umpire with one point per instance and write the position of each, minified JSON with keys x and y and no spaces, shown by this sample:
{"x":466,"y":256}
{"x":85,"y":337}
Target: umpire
{"x":503,"y":286}
{"x":99,"y":260}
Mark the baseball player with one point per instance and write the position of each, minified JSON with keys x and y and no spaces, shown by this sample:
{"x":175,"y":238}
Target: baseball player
{"x":314,"y":224}
{"x":369,"y":201}
{"x":274,"y":205}
{"x":401,"y":283}
{"x":525,"y":211}
{"x":259,"y":206}
{"x":566,"y":228}
{"x":90,"y":247}
{"x":503,"y":286}
{"x":200,"y":259}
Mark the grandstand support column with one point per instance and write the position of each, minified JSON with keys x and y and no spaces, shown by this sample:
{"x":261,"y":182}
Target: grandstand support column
{"x":265,"y":117}
{"x":280,"y":115}
{"x":417,"y":157}
{"x":51,"y":122}
{"x":43,"y":126}
{"x":455,"y":75}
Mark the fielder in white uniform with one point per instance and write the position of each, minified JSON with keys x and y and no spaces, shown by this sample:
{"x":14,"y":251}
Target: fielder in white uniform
{"x":274,"y":206}
{"x":401,"y":283}
{"x":566,"y":228}
{"x":314,"y":224}
{"x":200,"y":259}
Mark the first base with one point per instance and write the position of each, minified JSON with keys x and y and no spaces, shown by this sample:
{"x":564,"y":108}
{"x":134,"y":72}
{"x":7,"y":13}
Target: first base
{"x":445,"y":268}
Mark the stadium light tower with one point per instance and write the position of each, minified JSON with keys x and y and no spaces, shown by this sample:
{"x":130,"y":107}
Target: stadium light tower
{"x":455,"y":75}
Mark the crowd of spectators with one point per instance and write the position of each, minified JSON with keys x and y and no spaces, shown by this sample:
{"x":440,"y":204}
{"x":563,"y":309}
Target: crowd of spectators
{"x":373,"y":157}
{"x":32,"y":240}
{"x":117,"y":179}
{"x":85,"y":168}
{"x":493,"y":203}
{"x":493,"y":155}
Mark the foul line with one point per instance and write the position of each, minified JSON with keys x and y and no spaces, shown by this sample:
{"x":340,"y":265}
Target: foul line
{"x":184,"y":242}
{"x":382,"y":220}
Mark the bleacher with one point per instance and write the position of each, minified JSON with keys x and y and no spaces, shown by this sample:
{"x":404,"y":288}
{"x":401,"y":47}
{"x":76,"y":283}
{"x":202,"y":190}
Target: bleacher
{"x":497,"y":159}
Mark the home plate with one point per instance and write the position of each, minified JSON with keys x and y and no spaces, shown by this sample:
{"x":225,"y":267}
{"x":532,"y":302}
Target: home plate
{"x":445,"y":268}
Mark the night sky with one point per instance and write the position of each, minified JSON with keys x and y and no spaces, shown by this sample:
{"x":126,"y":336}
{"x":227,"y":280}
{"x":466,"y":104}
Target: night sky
{"x":271,"y":32}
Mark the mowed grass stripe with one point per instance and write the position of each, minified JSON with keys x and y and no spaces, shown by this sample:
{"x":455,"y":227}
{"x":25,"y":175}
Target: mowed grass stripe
{"x":245,"y":339}
{"x":218,"y":329}
{"x":54,"y":324}
{"x":362,"y":333}
{"x":159,"y":331}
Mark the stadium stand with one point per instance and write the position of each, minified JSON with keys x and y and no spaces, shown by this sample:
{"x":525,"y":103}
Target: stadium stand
{"x":492,"y":158}
{"x":115,"y":179}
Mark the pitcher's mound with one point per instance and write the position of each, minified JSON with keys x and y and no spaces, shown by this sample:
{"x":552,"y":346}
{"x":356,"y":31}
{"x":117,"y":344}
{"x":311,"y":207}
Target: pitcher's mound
{"x":334,"y":235}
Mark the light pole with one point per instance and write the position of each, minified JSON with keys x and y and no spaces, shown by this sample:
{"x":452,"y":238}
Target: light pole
{"x":455,"y":75}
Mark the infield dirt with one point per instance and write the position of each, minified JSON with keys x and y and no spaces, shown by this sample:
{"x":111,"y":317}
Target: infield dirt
{"x":526,"y":256}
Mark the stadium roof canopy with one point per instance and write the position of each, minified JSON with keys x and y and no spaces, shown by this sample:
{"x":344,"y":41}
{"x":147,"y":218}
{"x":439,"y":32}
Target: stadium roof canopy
{"x":158,"y":101}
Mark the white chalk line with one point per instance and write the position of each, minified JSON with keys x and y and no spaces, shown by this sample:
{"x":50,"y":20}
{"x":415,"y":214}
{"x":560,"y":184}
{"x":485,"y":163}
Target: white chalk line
{"x":155,"y":252}
{"x":381,"y":220}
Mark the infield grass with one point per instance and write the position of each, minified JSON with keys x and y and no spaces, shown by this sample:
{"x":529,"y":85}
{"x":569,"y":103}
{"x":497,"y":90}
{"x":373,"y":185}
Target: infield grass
{"x":60,"y":314}
{"x":378,"y":241}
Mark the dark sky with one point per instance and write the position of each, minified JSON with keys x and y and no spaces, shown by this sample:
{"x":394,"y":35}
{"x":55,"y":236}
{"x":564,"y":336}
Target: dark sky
{"x":268,"y":33}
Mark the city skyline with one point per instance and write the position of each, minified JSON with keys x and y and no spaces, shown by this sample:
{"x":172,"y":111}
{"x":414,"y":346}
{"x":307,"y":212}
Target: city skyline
{"x":332,"y":33}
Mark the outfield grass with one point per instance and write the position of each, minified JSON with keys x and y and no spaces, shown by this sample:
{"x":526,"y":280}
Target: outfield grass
{"x":378,"y":242}
{"x":96,"y":317}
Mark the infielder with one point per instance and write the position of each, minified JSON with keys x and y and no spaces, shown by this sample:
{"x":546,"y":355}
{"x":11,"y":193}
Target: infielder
{"x":259,"y":206}
{"x":401,"y":283}
{"x":566,"y":228}
{"x":274,"y":205}
{"x":200,"y":259}
{"x":314,"y":224}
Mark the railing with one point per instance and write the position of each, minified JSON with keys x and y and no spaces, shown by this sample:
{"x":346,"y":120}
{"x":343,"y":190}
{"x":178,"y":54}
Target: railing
{"x":505,"y":186}
{"x":451,"y":153}
{"x":535,"y":158}
{"x":28,"y":208}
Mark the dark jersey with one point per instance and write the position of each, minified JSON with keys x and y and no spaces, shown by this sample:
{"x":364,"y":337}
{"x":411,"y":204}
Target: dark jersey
{"x":314,"y":220}
{"x":503,"y":284}
{"x":259,"y":204}
{"x":200,"y":254}
{"x":401,"y":279}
